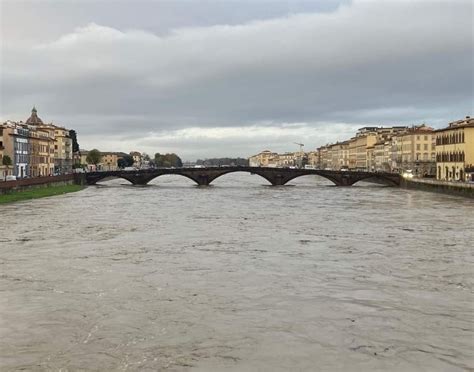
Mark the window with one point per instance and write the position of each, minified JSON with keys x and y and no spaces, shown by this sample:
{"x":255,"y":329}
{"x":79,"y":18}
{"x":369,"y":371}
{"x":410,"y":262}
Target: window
{"x":425,"y":146}
{"x":418,"y":146}
{"x":426,"y":138}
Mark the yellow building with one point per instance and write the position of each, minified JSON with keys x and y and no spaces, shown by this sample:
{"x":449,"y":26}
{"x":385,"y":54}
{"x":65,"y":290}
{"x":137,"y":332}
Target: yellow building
{"x":352,"y":148}
{"x":383,"y":156}
{"x":288,"y":159}
{"x":365,"y":139}
{"x":338,"y":155}
{"x":80,"y":157}
{"x":313,"y":158}
{"x":455,"y":151}
{"x":41,"y":162}
{"x":264,"y":159}
{"x":323,"y":157}
{"x":416,"y":151}
{"x":109,"y":161}
{"x":62,"y":150}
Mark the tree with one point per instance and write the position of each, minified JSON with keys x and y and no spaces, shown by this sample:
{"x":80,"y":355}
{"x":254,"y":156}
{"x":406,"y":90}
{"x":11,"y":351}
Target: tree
{"x":75,"y":144}
{"x":223,"y":161}
{"x":7,"y":161}
{"x":168,"y":160}
{"x":94,"y":157}
{"x":125,"y":161}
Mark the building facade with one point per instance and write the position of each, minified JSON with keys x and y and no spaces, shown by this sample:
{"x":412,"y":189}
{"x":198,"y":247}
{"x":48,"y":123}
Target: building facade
{"x":137,"y":159}
{"x":35,"y":148}
{"x":455,"y":151}
{"x":416,"y":151}
{"x":16,"y":145}
{"x":41,"y":153}
{"x":263,"y":159}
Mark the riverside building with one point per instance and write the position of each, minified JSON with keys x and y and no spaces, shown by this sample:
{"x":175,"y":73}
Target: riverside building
{"x":455,"y":151}
{"x":416,"y":151}
{"x":35,"y":148}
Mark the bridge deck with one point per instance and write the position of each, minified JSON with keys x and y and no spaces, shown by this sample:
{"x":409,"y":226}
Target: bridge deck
{"x":276,"y":176}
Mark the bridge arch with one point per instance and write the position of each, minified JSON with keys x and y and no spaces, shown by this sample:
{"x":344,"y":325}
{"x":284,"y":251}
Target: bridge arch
{"x":384,"y":180}
{"x":151,"y":178}
{"x":328,"y":177}
{"x":111,"y":177}
{"x":224,"y":172}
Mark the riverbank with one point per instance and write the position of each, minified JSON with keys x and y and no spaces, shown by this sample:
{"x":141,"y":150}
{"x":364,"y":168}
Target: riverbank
{"x":445,"y":187}
{"x":40,"y":192}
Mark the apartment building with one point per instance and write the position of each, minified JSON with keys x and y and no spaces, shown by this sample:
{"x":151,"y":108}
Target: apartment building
{"x":41,"y":153}
{"x":363,"y":145}
{"x":263,"y":159}
{"x":288,"y":159}
{"x":323,"y":157}
{"x":15,"y":139}
{"x":109,"y":161}
{"x":416,"y":151}
{"x":455,"y":151}
{"x":62,"y":150}
{"x":338,"y":155}
{"x":36,"y":149}
{"x":137,"y":158}
{"x":312,"y":158}
{"x":382,"y":156}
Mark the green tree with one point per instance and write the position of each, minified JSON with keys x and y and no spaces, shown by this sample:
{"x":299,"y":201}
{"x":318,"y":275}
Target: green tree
{"x":7,"y":162}
{"x":94,"y":157}
{"x":125,"y":161}
{"x":168,"y":160}
{"x":75,"y":144}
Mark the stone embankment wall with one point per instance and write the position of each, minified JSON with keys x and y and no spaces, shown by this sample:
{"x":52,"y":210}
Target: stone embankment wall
{"x":452,"y":188}
{"x":31,"y":183}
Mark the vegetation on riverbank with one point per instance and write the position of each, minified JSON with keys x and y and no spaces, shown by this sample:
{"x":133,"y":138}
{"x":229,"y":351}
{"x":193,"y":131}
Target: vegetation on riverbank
{"x":40,"y":192}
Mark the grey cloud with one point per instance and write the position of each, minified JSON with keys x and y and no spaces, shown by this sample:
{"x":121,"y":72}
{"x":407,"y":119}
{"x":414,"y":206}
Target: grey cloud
{"x":378,"y":62}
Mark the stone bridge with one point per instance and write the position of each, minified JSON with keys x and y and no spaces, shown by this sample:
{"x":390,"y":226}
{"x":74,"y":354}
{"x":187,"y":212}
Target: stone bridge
{"x":276,"y":176}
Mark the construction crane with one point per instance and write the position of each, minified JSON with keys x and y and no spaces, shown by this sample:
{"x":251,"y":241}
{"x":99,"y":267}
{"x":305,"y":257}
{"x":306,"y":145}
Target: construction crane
{"x":300,"y":161}
{"x":300,"y":145}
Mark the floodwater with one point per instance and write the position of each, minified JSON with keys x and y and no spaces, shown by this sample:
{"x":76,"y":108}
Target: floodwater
{"x":237,"y":277}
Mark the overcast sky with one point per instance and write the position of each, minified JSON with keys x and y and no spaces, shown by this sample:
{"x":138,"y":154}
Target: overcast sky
{"x":230,"y":78}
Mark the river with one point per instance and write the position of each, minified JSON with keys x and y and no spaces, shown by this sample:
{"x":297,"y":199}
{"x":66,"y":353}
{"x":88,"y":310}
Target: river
{"x":237,"y":277}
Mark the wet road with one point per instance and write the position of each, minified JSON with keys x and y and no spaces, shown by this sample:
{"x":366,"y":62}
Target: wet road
{"x":237,"y":277}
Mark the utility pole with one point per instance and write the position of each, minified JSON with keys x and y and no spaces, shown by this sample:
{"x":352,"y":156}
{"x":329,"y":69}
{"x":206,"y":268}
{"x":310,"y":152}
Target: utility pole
{"x":300,"y":160}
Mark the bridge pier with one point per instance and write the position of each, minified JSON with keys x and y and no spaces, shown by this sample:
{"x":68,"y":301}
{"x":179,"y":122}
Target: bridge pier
{"x":278,"y":180}
{"x":203,"y":180}
{"x":345,"y":180}
{"x":138,"y":179}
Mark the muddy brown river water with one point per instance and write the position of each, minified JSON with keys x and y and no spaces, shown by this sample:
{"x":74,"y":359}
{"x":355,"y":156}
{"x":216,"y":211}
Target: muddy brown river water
{"x":237,"y":277}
